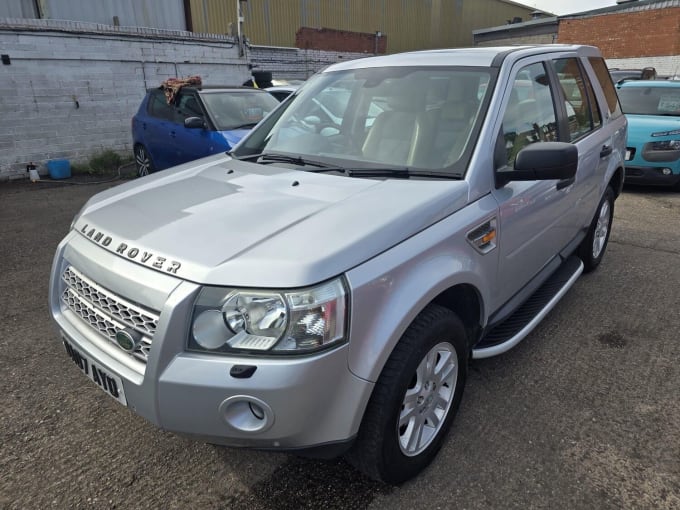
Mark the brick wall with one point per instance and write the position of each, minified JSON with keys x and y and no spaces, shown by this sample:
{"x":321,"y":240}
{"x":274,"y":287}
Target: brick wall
{"x":648,"y":33}
{"x":339,"y":40}
{"x":71,"y":88}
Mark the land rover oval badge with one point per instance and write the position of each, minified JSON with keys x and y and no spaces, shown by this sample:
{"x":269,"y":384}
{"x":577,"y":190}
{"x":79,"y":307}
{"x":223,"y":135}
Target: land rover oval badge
{"x":128,"y":339}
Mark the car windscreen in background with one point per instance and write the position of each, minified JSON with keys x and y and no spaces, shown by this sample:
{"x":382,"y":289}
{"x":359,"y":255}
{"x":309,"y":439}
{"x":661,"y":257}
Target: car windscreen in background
{"x":234,"y":110}
{"x":650,"y":100}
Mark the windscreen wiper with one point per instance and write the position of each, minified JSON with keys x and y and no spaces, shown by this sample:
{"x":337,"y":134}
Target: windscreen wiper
{"x":265,"y":157}
{"x":399,"y":172}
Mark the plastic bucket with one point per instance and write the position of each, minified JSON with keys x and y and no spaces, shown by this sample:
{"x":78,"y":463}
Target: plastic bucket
{"x":59,"y":168}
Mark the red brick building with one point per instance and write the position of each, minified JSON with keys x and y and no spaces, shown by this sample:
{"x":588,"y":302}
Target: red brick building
{"x":632,"y":34}
{"x":340,"y":40}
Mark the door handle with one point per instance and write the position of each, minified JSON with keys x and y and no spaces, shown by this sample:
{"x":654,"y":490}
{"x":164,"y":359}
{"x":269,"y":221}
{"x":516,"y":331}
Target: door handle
{"x":172,"y":133}
{"x":606,"y":151}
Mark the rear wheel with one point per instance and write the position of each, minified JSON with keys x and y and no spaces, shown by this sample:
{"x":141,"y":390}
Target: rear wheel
{"x":592,"y":248}
{"x":415,"y":399}
{"x":143,"y":161}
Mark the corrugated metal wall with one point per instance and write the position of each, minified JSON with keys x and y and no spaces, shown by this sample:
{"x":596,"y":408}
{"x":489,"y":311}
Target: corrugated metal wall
{"x":167,"y":14}
{"x":18,"y":9}
{"x":408,"y":24}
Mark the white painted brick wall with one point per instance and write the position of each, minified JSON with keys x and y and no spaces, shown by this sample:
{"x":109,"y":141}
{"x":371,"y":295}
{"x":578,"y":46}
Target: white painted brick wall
{"x":106,"y":70}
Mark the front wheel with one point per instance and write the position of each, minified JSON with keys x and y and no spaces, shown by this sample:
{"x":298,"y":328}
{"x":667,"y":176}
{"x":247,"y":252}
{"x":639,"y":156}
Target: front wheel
{"x":414,"y":400}
{"x":592,"y":248}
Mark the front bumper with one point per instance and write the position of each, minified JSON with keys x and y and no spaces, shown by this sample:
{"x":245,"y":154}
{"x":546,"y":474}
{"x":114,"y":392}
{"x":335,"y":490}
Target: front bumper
{"x":652,"y":175}
{"x":288,"y":403}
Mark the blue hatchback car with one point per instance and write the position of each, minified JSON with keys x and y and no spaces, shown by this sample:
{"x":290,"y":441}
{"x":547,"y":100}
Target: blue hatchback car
{"x":653,"y":147}
{"x":201,"y":121}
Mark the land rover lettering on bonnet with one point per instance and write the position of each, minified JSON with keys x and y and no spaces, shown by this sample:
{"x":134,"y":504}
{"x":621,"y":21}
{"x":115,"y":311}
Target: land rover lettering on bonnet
{"x":321,"y":288}
{"x":131,"y":252}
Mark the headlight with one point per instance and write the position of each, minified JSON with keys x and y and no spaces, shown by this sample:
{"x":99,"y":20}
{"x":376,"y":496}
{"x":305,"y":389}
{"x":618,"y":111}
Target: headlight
{"x":275,"y":322}
{"x":666,"y":145}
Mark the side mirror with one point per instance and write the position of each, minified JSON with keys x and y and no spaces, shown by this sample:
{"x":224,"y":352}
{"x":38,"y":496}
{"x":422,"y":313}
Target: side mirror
{"x":194,"y":123}
{"x":541,"y":161}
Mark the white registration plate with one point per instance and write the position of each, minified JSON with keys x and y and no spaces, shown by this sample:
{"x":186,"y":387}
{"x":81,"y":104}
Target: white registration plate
{"x":628,"y":155}
{"x":110,"y":383}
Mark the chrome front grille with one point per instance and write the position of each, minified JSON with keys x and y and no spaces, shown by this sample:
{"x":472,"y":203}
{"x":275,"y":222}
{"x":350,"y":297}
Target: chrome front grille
{"x":107,"y":312}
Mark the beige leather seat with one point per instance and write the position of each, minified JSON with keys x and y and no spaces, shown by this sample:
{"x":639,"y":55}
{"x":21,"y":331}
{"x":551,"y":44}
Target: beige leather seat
{"x":447,"y":127}
{"x":392,"y":137}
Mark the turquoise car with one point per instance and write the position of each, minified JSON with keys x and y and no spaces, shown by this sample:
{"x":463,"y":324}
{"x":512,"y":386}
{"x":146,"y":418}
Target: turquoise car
{"x":653,"y":146}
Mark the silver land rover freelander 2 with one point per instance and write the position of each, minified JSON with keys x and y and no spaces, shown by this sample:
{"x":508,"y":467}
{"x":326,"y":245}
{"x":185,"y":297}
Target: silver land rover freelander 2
{"x":321,"y":288}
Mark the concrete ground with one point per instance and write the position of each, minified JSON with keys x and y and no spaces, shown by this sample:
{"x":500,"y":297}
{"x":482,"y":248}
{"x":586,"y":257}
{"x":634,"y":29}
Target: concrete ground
{"x":584,"y":413}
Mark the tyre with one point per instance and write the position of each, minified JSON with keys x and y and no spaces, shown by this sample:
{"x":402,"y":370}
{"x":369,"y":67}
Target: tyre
{"x":414,"y":400}
{"x":592,"y":248}
{"x":143,"y":161}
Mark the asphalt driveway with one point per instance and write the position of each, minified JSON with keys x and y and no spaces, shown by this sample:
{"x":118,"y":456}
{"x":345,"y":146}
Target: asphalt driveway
{"x":585,"y":413}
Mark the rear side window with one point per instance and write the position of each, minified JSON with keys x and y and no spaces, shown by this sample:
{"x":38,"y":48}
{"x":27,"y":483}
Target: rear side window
{"x":594,"y":106}
{"x":605,"y":80}
{"x":576,"y":101}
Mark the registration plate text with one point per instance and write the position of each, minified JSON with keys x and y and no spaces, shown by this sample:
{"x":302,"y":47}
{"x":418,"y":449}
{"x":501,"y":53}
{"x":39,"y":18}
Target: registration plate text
{"x":111,"y":384}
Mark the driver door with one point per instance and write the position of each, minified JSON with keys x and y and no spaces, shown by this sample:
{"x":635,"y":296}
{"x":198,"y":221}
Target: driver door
{"x":533,"y":215}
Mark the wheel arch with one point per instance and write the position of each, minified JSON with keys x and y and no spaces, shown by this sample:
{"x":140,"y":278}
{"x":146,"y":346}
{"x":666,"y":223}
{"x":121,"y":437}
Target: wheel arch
{"x":616,"y":181}
{"x":460,"y":293}
{"x":465,"y":301}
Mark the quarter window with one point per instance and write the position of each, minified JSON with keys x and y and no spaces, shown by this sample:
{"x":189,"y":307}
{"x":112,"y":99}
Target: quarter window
{"x":530,"y":114}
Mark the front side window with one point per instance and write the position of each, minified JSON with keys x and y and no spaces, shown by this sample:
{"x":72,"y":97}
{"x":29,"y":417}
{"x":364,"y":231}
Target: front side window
{"x":402,"y":117}
{"x":530,"y":114}
{"x":188,"y":106}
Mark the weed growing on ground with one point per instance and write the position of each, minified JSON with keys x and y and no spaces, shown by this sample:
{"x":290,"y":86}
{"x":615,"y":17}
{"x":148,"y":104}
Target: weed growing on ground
{"x":105,"y":162}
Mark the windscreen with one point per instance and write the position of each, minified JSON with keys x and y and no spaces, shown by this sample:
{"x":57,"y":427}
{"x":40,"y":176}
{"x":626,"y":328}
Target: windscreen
{"x":238,"y":110}
{"x":650,"y":100}
{"x":394,"y":116}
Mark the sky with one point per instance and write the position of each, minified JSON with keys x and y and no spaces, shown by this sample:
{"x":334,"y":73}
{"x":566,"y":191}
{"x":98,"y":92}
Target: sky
{"x":567,"y":6}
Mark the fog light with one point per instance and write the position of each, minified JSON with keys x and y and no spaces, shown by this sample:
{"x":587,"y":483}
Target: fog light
{"x":666,"y":171}
{"x":246,"y":414}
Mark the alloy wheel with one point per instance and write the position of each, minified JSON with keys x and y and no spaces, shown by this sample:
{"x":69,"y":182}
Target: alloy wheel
{"x":143,"y":161}
{"x":601,"y":230}
{"x":428,"y":399}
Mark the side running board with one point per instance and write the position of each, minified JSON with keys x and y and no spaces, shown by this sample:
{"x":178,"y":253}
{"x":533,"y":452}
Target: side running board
{"x":507,"y":334}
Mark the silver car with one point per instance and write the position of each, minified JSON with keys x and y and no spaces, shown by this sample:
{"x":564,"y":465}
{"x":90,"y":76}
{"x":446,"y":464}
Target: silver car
{"x":321,"y":288}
